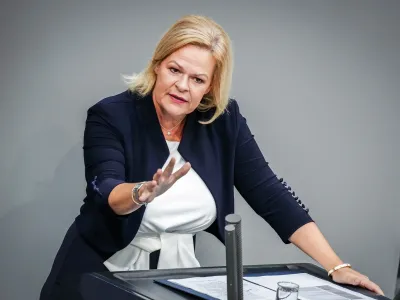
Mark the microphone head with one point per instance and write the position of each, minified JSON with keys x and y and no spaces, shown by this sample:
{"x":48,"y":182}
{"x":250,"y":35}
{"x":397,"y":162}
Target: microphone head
{"x":230,"y":228}
{"x":233,"y":219}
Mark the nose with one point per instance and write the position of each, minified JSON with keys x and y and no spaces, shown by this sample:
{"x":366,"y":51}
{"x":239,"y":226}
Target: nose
{"x":182,"y":84}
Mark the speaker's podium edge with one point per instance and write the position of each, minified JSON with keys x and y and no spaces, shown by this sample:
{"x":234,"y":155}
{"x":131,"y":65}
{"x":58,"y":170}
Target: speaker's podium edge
{"x":139,"y":284}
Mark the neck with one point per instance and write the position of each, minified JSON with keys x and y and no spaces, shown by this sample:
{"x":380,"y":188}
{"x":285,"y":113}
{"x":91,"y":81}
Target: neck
{"x":172,"y":127}
{"x":169,"y":122}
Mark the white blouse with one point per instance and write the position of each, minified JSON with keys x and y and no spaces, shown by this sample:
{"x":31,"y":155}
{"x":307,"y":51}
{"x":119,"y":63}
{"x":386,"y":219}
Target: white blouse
{"x":169,"y":223}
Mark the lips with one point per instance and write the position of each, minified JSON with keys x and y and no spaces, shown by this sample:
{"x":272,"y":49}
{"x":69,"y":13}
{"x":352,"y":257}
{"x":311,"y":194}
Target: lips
{"x":178,"y":98}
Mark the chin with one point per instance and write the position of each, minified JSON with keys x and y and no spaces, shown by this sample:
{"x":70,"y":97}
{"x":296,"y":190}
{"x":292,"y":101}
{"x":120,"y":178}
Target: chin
{"x":175,"y":110}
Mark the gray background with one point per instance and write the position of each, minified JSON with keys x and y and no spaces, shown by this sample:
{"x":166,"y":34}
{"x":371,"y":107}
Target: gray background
{"x":317,"y":80}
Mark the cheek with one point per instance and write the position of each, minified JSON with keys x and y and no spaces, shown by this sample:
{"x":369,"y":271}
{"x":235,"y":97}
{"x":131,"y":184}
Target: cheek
{"x":164,"y":81}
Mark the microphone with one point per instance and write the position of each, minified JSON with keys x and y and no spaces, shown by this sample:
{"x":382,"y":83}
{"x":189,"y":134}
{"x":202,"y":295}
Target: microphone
{"x":234,"y":264}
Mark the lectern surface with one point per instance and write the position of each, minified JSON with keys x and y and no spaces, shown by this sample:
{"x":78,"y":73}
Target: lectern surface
{"x":140,"y":284}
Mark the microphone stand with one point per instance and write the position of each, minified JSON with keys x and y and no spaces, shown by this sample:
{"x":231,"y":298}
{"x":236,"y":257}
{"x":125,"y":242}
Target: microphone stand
{"x":234,"y":264}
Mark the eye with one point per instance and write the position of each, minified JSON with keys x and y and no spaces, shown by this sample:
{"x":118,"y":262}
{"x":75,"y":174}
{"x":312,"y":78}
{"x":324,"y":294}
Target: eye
{"x":198,"y":80}
{"x":174,"y":70}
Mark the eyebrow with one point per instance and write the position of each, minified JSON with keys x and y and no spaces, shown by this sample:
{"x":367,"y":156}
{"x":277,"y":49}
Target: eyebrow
{"x":196,"y":74}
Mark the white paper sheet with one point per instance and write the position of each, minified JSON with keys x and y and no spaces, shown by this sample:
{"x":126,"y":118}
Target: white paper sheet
{"x":264,"y":287}
{"x":311,"y":287}
{"x":215,"y":286}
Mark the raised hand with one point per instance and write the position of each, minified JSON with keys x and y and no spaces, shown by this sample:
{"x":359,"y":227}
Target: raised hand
{"x":162,"y":181}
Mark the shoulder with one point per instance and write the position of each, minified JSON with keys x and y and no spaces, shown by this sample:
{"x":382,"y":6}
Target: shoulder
{"x":230,"y":112}
{"x":227,"y":125}
{"x":115,"y":110}
{"x":117,"y":103}
{"x":229,"y":117}
{"x":232,"y":109}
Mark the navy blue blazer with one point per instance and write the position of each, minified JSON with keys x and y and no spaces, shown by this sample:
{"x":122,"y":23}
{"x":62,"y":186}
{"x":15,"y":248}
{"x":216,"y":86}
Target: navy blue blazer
{"x":123,"y":142}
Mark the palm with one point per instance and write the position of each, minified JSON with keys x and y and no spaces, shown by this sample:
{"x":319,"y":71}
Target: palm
{"x":163,"y":180}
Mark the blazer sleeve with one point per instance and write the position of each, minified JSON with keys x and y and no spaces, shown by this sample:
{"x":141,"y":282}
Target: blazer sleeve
{"x":260,"y":187}
{"x":103,"y":157}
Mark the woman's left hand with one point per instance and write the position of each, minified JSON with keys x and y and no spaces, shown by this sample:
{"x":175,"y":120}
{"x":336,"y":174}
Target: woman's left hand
{"x":352,"y":277}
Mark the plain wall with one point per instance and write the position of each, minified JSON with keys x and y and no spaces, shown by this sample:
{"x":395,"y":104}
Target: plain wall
{"x":317,"y":80}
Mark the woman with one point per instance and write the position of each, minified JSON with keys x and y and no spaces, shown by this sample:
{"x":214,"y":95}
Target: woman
{"x":161,"y":163}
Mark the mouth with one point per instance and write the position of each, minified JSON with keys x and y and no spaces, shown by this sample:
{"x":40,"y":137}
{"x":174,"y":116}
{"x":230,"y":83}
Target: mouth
{"x":177,"y":98}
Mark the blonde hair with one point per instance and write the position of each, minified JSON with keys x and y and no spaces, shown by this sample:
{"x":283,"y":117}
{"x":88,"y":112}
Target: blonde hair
{"x":203,"y":32}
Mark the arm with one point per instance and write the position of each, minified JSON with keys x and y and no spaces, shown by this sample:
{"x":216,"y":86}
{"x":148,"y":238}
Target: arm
{"x":270,"y":199}
{"x":120,"y":199}
{"x":260,"y":187}
{"x":310,"y":240}
{"x":105,"y":164}
{"x":105,"y":168}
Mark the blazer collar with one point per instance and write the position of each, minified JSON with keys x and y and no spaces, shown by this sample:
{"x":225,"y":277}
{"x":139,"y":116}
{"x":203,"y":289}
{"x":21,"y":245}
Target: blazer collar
{"x":148,"y":117}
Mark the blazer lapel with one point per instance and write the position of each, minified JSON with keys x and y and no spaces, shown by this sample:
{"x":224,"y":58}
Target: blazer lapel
{"x":155,"y":149}
{"x":196,"y":147}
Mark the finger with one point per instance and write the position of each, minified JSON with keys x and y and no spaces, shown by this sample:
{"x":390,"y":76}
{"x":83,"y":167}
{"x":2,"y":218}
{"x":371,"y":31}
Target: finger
{"x":181,"y":172}
{"x":157,"y":175}
{"x":368,"y":284}
{"x":169,"y":168}
{"x":148,"y":190}
{"x":151,"y":186}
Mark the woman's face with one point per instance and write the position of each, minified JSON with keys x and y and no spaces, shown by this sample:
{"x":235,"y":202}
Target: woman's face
{"x":183,"y":78}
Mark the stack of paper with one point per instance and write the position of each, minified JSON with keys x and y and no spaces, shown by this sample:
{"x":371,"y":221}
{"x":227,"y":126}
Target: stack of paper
{"x":214,"y":287}
{"x":264,"y":287}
